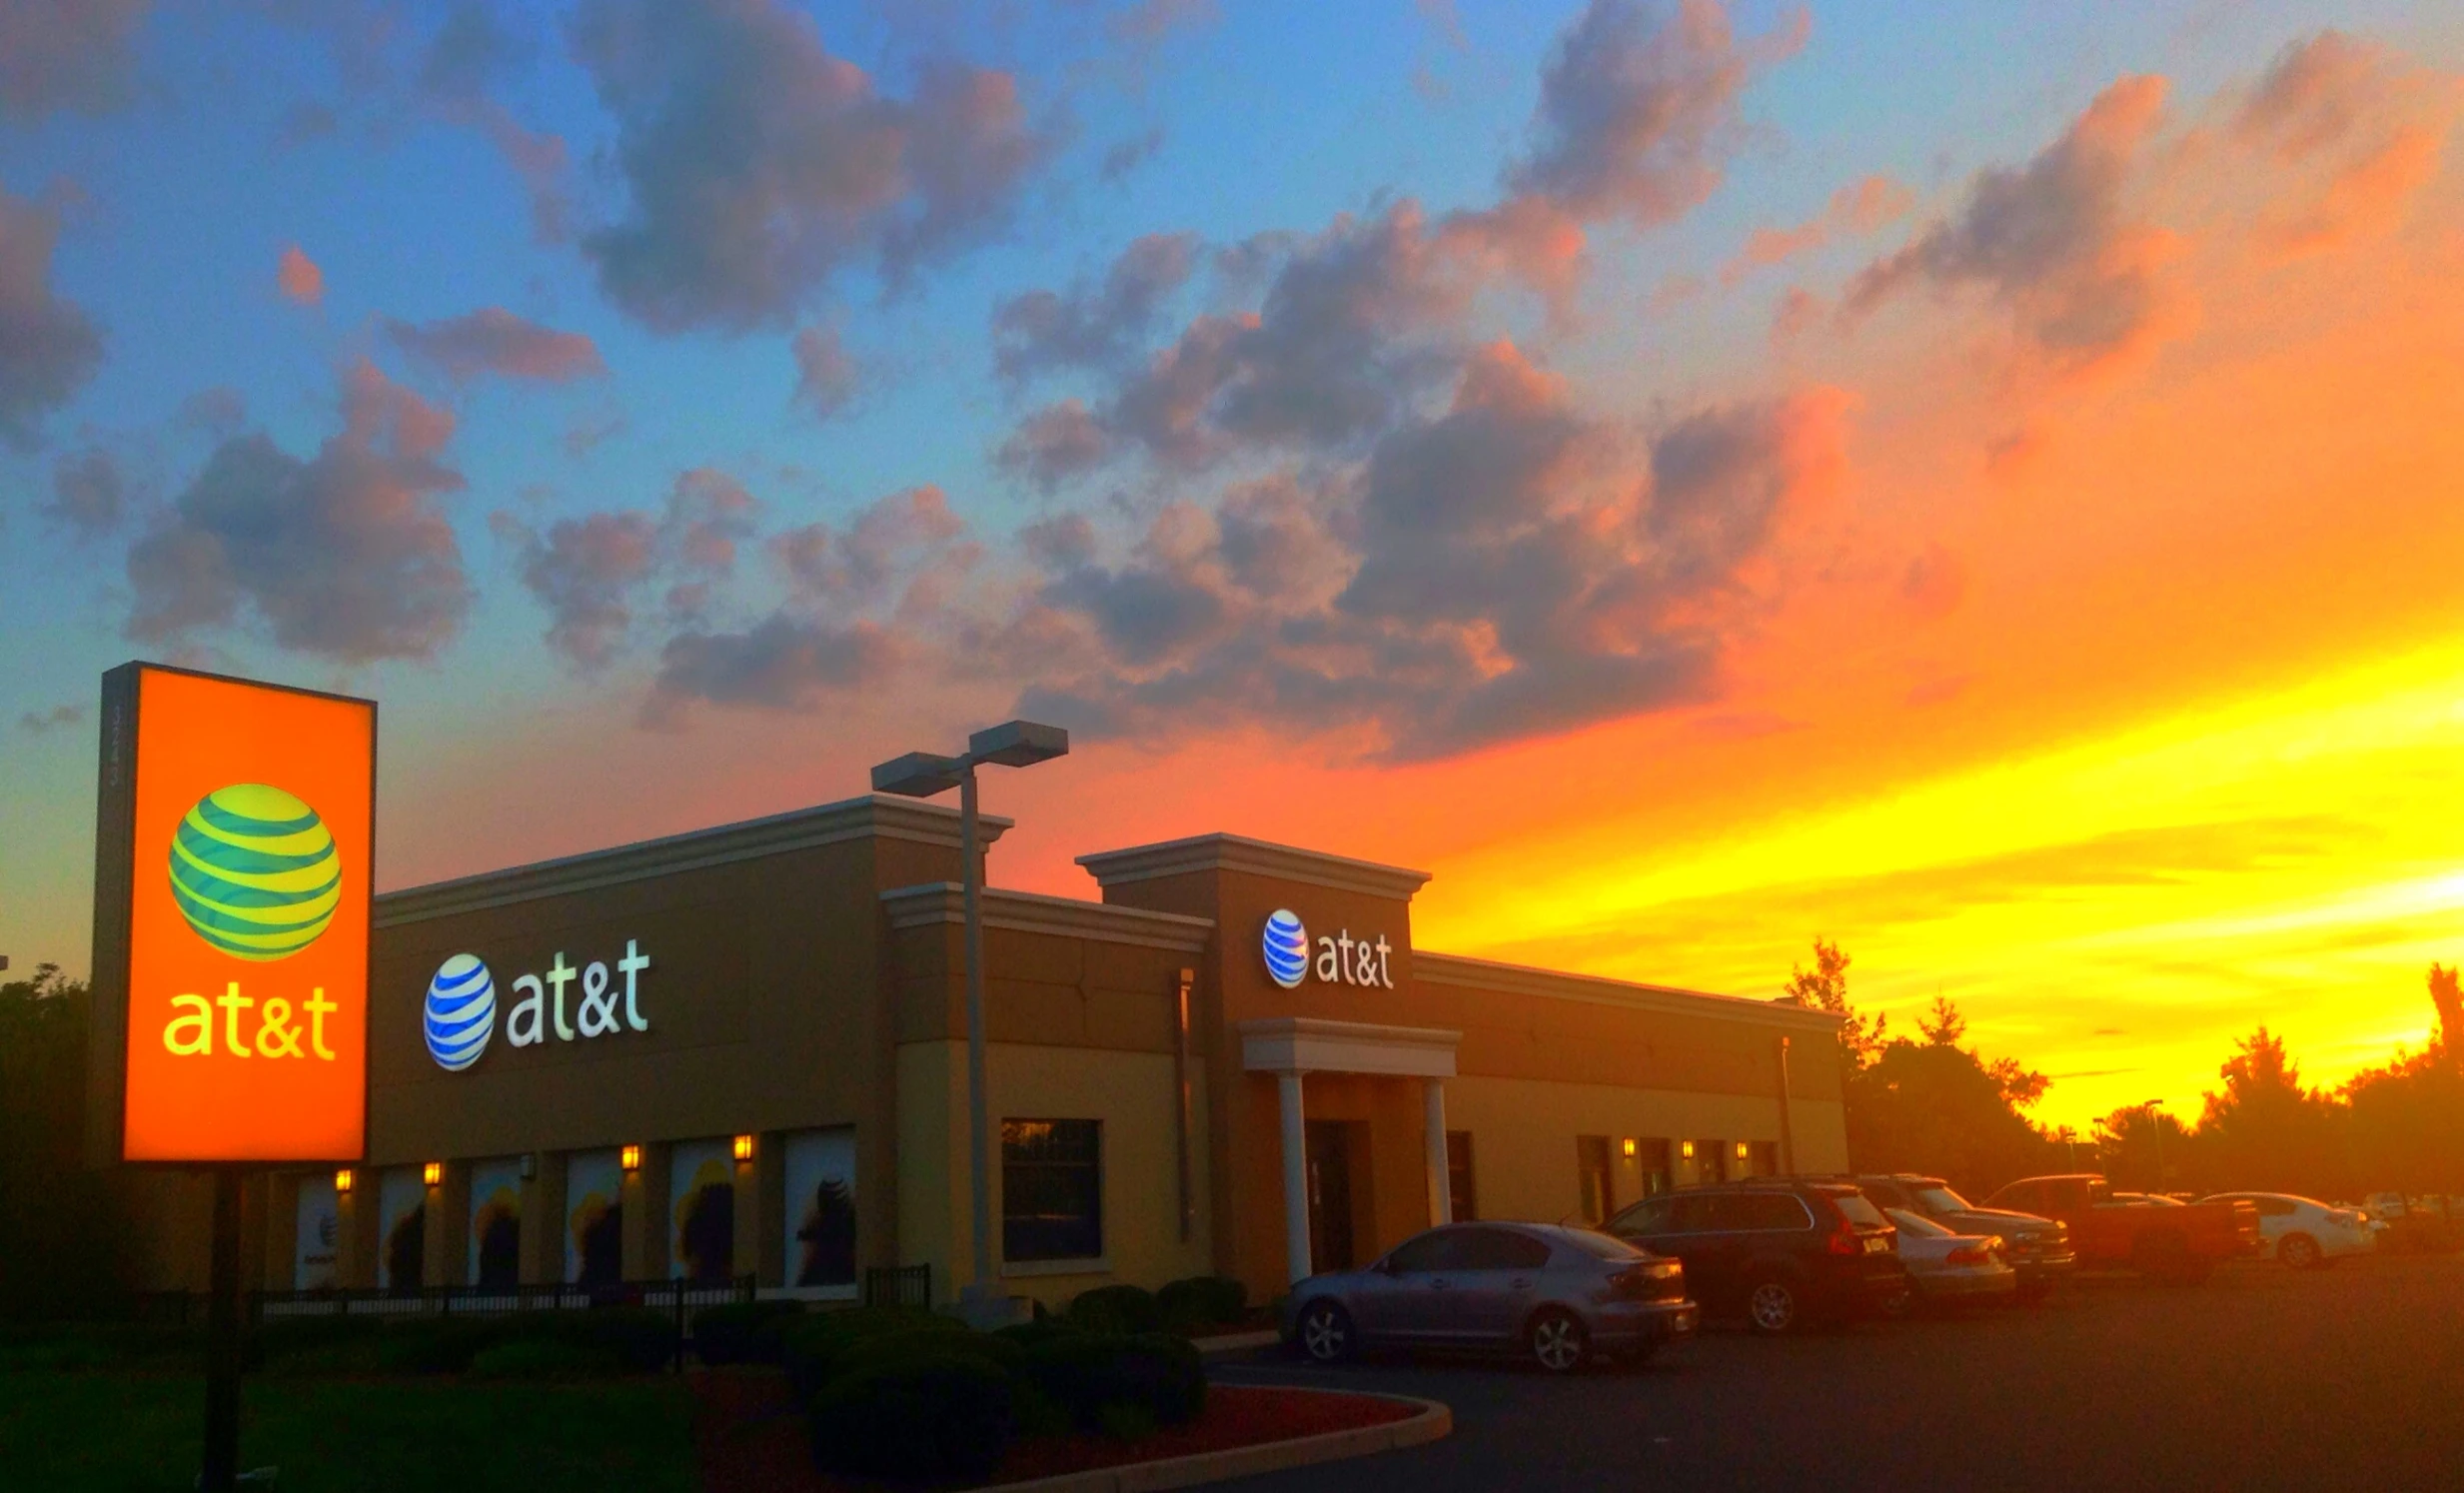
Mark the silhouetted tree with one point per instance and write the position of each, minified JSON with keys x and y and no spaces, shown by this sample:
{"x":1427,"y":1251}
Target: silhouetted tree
{"x":1931,"y":1106}
{"x":64,"y":1227}
{"x":2265,"y":1130}
{"x":1825,"y":988}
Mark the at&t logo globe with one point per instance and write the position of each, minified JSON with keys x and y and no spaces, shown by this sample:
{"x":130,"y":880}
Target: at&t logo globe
{"x":461,"y":1013}
{"x":1287,"y":948}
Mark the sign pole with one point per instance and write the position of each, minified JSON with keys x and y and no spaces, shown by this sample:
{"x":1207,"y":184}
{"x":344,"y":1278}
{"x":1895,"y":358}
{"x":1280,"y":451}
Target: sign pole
{"x":222,"y":1427}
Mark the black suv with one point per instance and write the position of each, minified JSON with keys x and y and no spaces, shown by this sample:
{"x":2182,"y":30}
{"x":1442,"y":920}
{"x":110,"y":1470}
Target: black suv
{"x":1780,"y":1252}
{"x":2038,"y":1248}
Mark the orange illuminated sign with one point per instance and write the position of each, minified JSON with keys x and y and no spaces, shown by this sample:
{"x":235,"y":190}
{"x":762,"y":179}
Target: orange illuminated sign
{"x":231,"y":920}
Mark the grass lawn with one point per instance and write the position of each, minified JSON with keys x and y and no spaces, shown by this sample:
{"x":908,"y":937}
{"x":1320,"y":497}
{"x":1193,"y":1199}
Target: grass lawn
{"x":66,"y":1432}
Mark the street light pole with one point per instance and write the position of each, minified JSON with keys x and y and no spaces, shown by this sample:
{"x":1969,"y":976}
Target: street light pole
{"x":2155,"y":1122}
{"x":980,"y":1143}
{"x":921,"y":775}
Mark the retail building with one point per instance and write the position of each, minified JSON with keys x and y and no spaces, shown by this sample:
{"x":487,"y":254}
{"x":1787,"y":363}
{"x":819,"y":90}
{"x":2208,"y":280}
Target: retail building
{"x":742,"y":1051}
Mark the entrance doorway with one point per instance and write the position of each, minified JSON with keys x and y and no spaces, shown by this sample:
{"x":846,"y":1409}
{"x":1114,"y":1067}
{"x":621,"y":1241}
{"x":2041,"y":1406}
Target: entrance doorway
{"x":1330,"y":1195}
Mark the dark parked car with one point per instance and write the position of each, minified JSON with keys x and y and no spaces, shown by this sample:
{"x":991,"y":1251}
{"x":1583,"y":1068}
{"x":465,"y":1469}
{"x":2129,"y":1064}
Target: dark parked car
{"x":2038,"y":1248}
{"x":1564,"y":1296}
{"x":1780,"y":1252}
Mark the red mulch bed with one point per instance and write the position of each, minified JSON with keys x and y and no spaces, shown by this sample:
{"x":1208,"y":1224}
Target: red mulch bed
{"x":751,"y":1437}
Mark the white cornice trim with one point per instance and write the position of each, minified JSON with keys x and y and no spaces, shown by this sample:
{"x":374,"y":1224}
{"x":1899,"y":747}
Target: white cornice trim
{"x":1523,"y":979}
{"x":1310,"y":1044}
{"x":874,"y":816}
{"x":1060,"y":917}
{"x":1238,"y":852}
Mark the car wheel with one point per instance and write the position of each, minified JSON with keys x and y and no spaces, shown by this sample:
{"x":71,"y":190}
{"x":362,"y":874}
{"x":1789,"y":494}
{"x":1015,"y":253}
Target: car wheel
{"x":1559,"y":1341}
{"x":1774,"y":1306}
{"x":1326,"y":1334}
{"x":2301,"y":1251}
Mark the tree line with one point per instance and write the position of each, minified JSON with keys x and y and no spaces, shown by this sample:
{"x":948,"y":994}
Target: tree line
{"x":1931,"y":1104}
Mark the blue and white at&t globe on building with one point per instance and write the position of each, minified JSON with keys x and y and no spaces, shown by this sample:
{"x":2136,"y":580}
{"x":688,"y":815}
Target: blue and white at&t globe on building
{"x":461,"y":1013}
{"x":1287,"y":948}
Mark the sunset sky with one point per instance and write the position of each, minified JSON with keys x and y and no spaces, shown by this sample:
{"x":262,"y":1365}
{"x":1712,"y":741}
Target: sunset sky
{"x":1982,"y":483}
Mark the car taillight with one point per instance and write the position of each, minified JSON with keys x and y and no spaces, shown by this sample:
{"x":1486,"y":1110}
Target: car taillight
{"x":1844,"y":1240}
{"x":1974,"y":1255}
{"x":1662,"y":1280}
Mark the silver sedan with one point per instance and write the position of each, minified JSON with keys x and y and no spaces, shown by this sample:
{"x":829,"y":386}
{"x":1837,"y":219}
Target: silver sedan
{"x":1563,"y":1295}
{"x":1949,"y":1266}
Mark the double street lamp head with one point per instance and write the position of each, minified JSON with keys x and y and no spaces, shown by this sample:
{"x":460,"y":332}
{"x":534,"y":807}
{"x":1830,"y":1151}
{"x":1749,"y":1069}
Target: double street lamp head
{"x":1013,"y":744}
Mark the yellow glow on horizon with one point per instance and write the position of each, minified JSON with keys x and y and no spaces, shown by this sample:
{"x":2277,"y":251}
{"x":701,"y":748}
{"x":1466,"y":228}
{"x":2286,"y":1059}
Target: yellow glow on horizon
{"x":2100,"y":909}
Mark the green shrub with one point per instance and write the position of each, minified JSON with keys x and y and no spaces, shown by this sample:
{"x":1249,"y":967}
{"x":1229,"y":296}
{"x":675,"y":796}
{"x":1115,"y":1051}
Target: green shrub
{"x":638,"y":1337}
{"x":435,"y":1345}
{"x":1028,"y":1335}
{"x":811,"y":1345}
{"x":539,"y":1357}
{"x":282,"y":1337}
{"x":1125,"y":1420}
{"x":744,"y":1332}
{"x":1202,"y":1301}
{"x":1166,"y":1376}
{"x":1116,"y":1308}
{"x":935,"y":1417}
{"x":888,"y":1349}
{"x":1090,"y":1375}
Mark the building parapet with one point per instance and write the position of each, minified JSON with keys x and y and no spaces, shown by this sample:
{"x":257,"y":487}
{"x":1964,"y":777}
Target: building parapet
{"x":935,"y":903}
{"x":874,"y":816}
{"x":1524,"y":979}
{"x":1238,"y":852}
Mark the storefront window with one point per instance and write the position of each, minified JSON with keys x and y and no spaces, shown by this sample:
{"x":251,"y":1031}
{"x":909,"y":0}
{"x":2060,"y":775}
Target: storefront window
{"x":1651,"y":1157}
{"x":820,"y":1185}
{"x":1459,"y":1189}
{"x":1051,"y":1189}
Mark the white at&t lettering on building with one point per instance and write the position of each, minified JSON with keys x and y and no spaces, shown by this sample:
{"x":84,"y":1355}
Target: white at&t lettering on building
{"x":460,"y":1013}
{"x":1341,"y":958}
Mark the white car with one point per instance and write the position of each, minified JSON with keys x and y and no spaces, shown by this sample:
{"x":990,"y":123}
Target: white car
{"x":1947,"y":1266}
{"x":2305,"y":1233}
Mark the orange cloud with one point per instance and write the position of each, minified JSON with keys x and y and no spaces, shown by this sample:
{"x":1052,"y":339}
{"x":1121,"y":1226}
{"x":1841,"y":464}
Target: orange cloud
{"x":1860,"y":207}
{"x":297,"y":276}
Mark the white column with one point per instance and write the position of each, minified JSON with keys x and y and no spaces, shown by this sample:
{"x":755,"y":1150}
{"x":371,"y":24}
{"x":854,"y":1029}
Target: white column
{"x":1440,"y":1193}
{"x":1295,"y":1179}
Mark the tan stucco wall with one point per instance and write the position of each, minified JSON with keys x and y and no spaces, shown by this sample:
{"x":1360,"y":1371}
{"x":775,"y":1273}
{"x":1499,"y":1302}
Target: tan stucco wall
{"x":1522,"y":1136}
{"x":1130,"y":1092}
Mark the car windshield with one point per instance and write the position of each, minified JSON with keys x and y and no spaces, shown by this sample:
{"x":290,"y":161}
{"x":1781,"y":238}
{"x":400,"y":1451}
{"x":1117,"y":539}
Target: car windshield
{"x":1918,"y":1224}
{"x":1859,"y":1211}
{"x":1942,"y":1200}
{"x":1606,"y":1246}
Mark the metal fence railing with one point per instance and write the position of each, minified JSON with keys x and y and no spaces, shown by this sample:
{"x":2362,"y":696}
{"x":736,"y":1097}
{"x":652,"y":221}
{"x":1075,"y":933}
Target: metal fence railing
{"x":898,"y":1285}
{"x":680,"y":1300}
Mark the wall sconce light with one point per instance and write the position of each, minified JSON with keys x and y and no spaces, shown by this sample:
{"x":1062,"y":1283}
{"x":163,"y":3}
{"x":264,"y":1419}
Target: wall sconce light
{"x":1688,"y":1150}
{"x":1741,"y":1150}
{"x":433,"y":1173}
{"x":744,"y":1147}
{"x":341,"y":1180}
{"x":1631,"y":1148}
{"x":629,"y":1157}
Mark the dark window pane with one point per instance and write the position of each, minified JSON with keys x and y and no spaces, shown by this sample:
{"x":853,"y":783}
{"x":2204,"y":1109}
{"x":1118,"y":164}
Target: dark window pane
{"x":1771,"y":1211}
{"x":1695,"y":1213}
{"x":1438,"y":1249}
{"x":1051,"y":1189}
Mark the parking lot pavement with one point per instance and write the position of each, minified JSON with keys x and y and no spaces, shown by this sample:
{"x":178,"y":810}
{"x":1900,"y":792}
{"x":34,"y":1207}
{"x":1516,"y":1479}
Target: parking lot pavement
{"x":2260,"y":1379}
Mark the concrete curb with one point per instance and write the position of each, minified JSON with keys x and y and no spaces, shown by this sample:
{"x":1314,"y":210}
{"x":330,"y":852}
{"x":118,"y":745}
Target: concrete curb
{"x":1236,"y":1342}
{"x":1432,"y":1422}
